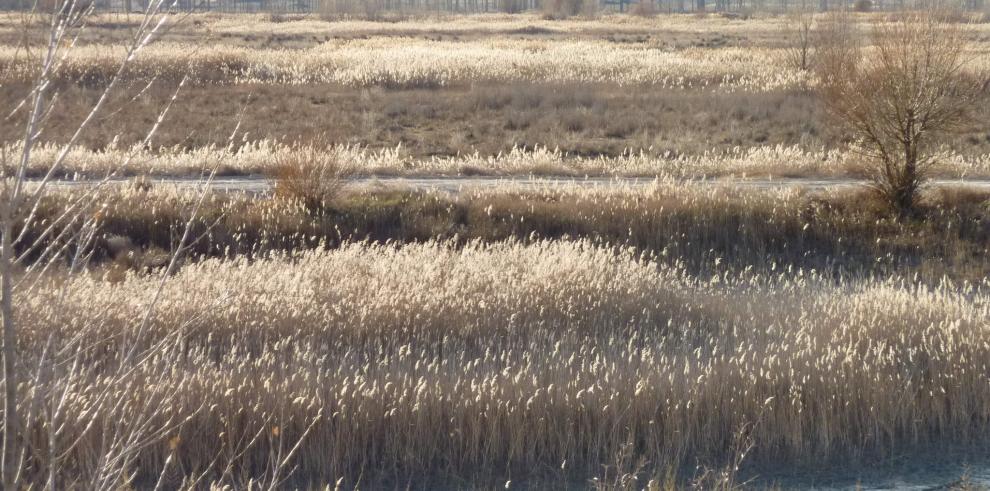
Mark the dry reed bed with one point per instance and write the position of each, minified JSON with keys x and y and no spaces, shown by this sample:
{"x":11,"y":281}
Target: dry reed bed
{"x":758,"y":29}
{"x":706,"y":227}
{"x":492,"y":362}
{"x":412,"y":63}
{"x":260,"y":157}
{"x":700,"y":224}
{"x":761,"y":28}
{"x":449,"y":25}
{"x":390,"y":55}
{"x":502,"y":24}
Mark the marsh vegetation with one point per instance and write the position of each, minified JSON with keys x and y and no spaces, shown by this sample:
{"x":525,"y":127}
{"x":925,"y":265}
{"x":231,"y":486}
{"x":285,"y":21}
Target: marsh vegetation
{"x":681,"y":333}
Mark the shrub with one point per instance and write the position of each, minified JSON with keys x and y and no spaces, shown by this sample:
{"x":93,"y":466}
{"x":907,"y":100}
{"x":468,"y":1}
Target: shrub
{"x":332,"y":10}
{"x":562,"y":9}
{"x":310,"y":176}
{"x":902,"y":103}
{"x":511,"y":6}
{"x":644,"y":8}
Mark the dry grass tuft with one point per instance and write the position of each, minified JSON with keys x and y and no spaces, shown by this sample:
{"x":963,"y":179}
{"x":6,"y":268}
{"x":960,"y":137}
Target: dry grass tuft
{"x":311,"y":176}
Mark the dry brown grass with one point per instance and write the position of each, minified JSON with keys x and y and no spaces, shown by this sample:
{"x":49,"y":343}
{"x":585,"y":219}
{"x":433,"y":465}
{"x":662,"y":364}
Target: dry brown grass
{"x":485,"y":118}
{"x":258,"y":30}
{"x":608,"y":51}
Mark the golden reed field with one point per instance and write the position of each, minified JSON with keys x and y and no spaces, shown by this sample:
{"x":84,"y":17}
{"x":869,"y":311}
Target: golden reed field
{"x":483,"y":251}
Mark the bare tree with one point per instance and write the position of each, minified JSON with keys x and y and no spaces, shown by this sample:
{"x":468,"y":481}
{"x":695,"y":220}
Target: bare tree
{"x":98,"y":444}
{"x":900,"y":97}
{"x":20,"y":201}
{"x":799,"y":32}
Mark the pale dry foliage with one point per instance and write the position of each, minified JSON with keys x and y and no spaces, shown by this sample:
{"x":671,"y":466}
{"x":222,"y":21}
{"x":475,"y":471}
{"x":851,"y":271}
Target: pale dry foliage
{"x":396,"y":54}
{"x":526,"y":362}
{"x":412,"y":63}
{"x":266,"y":157}
{"x":900,"y":102}
{"x":201,"y":24}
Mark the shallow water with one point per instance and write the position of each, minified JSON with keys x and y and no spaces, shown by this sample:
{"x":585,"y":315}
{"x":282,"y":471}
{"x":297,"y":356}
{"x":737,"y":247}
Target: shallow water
{"x":915,"y":474}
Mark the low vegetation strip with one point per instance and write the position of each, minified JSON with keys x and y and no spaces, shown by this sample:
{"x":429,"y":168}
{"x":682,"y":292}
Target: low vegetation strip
{"x":707,"y":228}
{"x":238,"y":29}
{"x":666,"y":53}
{"x":265,"y":157}
{"x":416,"y":63}
{"x":553,"y":362}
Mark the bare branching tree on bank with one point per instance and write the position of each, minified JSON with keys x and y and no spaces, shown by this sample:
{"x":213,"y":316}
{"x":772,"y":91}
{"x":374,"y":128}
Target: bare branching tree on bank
{"x":900,"y":96}
{"x":800,"y":33}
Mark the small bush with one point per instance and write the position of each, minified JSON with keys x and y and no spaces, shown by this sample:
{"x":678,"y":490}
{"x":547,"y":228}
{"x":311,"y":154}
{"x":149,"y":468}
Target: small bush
{"x":863,"y":5}
{"x":644,"y":8}
{"x":278,"y":17}
{"x":562,"y":9}
{"x":310,"y":176}
{"x":511,"y":6}
{"x":334,"y":10}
